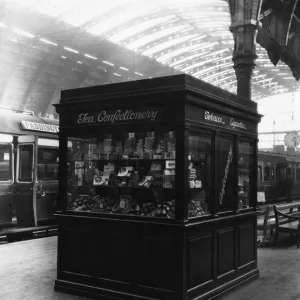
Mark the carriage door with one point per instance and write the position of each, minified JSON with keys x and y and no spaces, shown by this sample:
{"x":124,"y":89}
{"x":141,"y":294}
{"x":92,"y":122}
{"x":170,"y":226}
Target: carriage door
{"x":25,"y":188}
{"x":6,"y":178}
{"x":47,"y":181}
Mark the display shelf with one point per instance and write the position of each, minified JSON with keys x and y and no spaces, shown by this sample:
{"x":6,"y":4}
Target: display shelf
{"x":122,"y":160}
{"x":127,"y":187}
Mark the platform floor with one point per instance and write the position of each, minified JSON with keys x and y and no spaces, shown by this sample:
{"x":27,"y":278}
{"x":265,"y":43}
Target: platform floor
{"x":28,"y":271}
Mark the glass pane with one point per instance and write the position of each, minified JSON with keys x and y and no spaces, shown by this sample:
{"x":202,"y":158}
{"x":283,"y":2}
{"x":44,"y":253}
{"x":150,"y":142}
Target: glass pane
{"x":297,"y":174}
{"x":289,"y":173}
{"x":225,"y":173}
{"x":5,"y":162}
{"x":259,"y":174}
{"x":25,"y":163}
{"x":199,"y":158}
{"x":131,"y":173}
{"x":47,"y":163}
{"x":267,"y":173}
{"x":245,"y":165}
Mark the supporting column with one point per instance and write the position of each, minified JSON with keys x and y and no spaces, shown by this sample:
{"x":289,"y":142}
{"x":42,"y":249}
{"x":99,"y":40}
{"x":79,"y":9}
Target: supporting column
{"x":244,"y":16}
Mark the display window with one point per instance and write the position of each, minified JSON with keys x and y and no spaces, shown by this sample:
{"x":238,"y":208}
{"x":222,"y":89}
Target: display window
{"x":47,"y":167}
{"x":226,"y":182}
{"x":199,"y":174}
{"x":132,"y":173}
{"x":25,"y":163}
{"x":5,"y":163}
{"x":244,"y":168}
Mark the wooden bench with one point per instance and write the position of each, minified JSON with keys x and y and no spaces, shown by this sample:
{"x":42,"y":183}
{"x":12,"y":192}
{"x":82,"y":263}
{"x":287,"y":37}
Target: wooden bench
{"x":287,"y":217}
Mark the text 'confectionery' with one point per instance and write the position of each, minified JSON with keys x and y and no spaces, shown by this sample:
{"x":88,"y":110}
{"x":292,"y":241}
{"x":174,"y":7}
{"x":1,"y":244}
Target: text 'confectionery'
{"x":119,"y":115}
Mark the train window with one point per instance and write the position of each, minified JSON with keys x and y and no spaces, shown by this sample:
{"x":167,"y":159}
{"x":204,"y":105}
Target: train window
{"x":267,"y":173}
{"x":47,"y":163}
{"x":259,"y":173}
{"x":298,"y":173}
{"x":289,"y":172}
{"x":5,"y":163}
{"x":25,"y":163}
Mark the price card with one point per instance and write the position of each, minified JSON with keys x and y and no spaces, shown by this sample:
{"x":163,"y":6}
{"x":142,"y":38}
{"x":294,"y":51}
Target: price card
{"x":170,"y":164}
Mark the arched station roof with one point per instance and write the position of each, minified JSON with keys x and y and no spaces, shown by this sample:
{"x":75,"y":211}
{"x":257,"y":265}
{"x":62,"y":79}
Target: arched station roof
{"x":50,"y":45}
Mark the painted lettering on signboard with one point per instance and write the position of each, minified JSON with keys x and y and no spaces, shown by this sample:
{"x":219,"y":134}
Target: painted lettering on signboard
{"x":26,"y":125}
{"x":224,"y":120}
{"x":117,"y":116}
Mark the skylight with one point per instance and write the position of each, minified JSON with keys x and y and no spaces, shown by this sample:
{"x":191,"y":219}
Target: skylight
{"x":48,"y":42}
{"x":204,"y":71}
{"x":120,"y":18}
{"x":71,"y":50}
{"x":168,"y":44}
{"x":154,"y":36}
{"x":108,"y":63}
{"x":54,"y":8}
{"x":182,"y":60}
{"x":137,"y":28}
{"x":90,"y":56}
{"x":172,"y":54}
{"x":203,"y":62}
{"x":24,"y":33}
{"x":86,"y":12}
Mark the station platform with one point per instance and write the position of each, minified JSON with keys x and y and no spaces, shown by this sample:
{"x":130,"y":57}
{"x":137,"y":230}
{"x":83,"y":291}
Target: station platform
{"x":28,"y":272}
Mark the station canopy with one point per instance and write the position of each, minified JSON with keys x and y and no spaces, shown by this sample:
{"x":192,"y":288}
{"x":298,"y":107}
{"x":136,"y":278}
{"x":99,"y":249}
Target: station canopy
{"x":50,"y":45}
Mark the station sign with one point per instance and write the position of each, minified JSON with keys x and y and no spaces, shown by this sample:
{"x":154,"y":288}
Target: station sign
{"x":39,"y":127}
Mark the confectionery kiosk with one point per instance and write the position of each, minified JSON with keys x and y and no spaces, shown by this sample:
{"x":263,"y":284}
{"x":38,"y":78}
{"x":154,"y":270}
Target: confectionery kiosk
{"x":157,"y":190}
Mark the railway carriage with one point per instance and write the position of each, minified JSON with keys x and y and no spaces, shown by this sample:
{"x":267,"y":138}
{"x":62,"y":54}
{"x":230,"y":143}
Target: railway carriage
{"x":28,"y":168}
{"x":278,"y":176}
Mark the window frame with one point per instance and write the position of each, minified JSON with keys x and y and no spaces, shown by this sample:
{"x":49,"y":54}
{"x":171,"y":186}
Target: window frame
{"x":18,"y":163}
{"x":195,"y":131}
{"x":11,"y":164}
{"x":37,"y":176}
{"x":297,"y":167}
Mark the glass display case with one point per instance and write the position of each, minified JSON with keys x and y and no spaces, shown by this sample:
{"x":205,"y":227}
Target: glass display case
{"x":132,"y":174}
{"x":157,"y":190}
